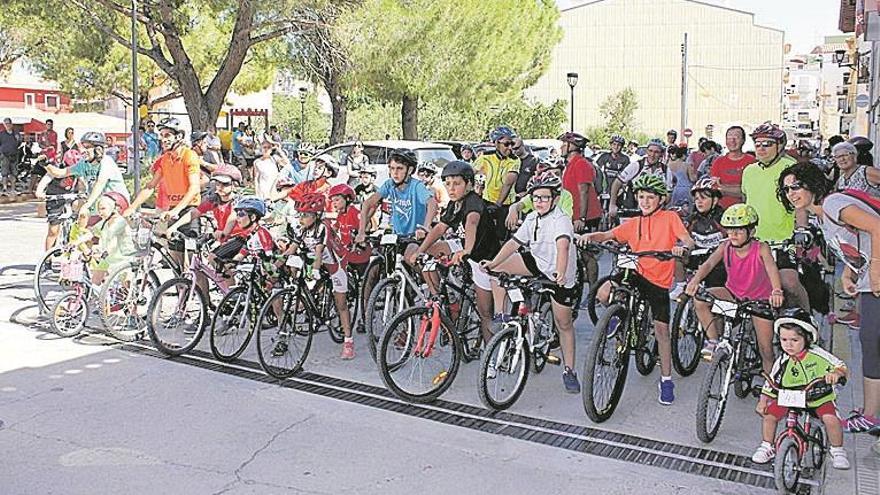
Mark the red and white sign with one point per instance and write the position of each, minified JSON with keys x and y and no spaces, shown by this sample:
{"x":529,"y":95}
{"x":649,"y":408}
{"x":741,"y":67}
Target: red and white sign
{"x":688,"y":133}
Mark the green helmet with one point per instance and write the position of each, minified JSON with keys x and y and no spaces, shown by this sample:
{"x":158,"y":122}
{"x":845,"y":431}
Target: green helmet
{"x":651,"y":183}
{"x":739,"y":215}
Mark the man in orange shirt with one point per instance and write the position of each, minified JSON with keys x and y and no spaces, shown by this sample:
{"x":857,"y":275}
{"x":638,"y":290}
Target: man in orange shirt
{"x":175,"y":175}
{"x":654,"y":230}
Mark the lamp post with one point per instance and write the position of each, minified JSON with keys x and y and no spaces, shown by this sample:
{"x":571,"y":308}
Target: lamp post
{"x":135,"y":138}
{"x":572,"y":79}
{"x":302,"y":112}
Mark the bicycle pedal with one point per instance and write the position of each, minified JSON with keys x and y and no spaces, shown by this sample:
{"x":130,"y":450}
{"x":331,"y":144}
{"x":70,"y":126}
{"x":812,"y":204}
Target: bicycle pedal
{"x":551,"y":359}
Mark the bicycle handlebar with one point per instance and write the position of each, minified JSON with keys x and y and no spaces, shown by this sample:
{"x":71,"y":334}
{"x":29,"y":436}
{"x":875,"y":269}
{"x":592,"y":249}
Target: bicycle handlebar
{"x":616,"y":248}
{"x":806,"y":388}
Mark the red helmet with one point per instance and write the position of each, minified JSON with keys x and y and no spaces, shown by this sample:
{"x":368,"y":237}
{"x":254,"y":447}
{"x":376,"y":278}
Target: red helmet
{"x":342,"y":190}
{"x":117,"y":198}
{"x":226,"y":174}
{"x":768,"y":130}
{"x":311,"y":203}
{"x":707,"y":184}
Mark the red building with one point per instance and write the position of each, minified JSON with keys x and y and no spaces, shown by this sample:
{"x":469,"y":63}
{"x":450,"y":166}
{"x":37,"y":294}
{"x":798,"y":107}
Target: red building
{"x":42,"y":99}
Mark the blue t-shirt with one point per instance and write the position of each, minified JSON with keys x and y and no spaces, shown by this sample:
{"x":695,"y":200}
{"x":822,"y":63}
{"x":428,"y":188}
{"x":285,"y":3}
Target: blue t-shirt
{"x":236,"y":146}
{"x":152,"y":141}
{"x":408,"y":207}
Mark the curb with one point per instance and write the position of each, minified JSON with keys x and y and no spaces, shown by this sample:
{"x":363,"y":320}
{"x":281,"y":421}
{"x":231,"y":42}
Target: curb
{"x":18,"y":198}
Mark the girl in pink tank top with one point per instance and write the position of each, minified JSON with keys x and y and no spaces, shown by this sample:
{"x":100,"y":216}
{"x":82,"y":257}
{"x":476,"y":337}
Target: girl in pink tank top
{"x":751,"y":275}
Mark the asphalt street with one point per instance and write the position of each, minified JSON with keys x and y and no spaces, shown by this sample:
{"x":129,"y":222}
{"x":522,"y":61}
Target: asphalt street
{"x":88,"y":415}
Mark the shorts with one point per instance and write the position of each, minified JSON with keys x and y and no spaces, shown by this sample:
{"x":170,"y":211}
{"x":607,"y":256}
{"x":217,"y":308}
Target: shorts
{"x":479,"y":276}
{"x":229,"y":249}
{"x":785,"y":259}
{"x":564,"y":296}
{"x":780,"y":412}
{"x":869,"y":334}
{"x":339,"y":279}
{"x":55,"y":210}
{"x":716,"y":278}
{"x":657,"y":297}
{"x":8,"y":166}
{"x":188,"y":230}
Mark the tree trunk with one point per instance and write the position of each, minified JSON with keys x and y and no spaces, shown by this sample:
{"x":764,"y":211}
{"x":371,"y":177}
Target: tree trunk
{"x":409,"y":117}
{"x":340,"y":111}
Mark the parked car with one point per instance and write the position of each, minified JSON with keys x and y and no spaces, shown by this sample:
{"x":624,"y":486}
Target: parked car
{"x":378,"y":152}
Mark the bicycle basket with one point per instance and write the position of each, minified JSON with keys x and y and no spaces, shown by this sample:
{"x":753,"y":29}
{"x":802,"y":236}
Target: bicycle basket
{"x":72,"y":269}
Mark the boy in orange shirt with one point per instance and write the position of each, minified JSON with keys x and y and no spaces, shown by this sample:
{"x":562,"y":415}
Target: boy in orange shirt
{"x":654,"y":230}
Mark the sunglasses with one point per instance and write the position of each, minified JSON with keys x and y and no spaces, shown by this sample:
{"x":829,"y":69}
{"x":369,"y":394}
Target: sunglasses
{"x":765,"y":144}
{"x":506,"y":143}
{"x":541,"y":198}
{"x":797,"y":186}
{"x":241,"y":213}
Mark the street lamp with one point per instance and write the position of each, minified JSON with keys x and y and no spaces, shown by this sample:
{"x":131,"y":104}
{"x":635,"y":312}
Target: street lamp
{"x":302,"y":111}
{"x":572,"y":79}
{"x":135,"y":158}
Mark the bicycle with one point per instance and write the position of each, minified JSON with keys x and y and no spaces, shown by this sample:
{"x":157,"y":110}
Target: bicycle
{"x":177,"y":314}
{"x":287,"y":320}
{"x":426,"y":343}
{"x":686,"y":334}
{"x":736,"y":361}
{"x":521,"y":344}
{"x":70,"y":313}
{"x":625,"y":327}
{"x":128,"y":288}
{"x":594,"y":251}
{"x":47,"y":288}
{"x":803,"y":438}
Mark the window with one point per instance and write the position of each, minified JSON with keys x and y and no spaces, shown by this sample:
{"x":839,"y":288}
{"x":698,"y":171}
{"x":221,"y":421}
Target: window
{"x":29,"y":99}
{"x":52,"y":101}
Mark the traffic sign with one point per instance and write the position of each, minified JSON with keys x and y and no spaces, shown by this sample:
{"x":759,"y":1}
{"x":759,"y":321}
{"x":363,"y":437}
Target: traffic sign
{"x":863,"y":101}
{"x":688,"y":133}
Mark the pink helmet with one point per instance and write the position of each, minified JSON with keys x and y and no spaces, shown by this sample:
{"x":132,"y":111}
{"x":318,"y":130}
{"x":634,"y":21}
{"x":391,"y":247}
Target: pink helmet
{"x":71,"y":157}
{"x":119,"y":199}
{"x":342,"y":190}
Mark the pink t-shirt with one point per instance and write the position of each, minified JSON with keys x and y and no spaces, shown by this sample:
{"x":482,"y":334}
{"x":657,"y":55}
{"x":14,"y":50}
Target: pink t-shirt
{"x":747,"y":277}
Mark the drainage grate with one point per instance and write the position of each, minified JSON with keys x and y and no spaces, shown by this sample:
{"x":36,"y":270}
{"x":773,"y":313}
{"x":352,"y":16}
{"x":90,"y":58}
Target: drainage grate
{"x":611,"y":445}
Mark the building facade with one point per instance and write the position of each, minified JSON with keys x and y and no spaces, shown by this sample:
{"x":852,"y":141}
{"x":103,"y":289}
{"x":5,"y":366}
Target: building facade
{"x":734,"y":71}
{"x":802,"y":82}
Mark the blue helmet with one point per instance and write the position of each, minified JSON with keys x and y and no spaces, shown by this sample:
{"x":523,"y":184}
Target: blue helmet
{"x":252,"y":204}
{"x":501,"y":131}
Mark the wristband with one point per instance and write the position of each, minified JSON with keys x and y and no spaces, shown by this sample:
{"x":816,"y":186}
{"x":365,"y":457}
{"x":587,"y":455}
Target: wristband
{"x":777,"y":292}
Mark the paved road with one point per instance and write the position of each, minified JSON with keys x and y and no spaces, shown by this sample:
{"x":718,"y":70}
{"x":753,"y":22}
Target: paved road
{"x":90,"y":416}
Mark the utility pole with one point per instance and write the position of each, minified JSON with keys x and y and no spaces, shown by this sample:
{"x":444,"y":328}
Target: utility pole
{"x":684,"y":83}
{"x":135,"y":124}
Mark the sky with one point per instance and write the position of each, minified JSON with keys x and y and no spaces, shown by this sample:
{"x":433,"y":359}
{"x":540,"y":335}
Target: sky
{"x":805,"y":22}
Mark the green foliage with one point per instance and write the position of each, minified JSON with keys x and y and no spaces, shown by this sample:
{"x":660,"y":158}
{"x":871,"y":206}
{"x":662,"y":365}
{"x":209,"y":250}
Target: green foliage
{"x":449,"y":50}
{"x":372,"y":119}
{"x":618,"y":110}
{"x":287,"y":112}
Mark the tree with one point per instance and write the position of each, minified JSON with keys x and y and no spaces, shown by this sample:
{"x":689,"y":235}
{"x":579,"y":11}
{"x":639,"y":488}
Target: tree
{"x":418,"y":50}
{"x":10,"y":50}
{"x":199,"y":45}
{"x":287,"y":115}
{"x":619,"y":110}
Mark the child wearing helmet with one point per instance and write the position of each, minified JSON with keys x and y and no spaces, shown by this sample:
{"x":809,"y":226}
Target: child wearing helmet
{"x":248,"y":213}
{"x":312,"y":236}
{"x":366,"y":183}
{"x":427,"y":173}
{"x":114,"y":242}
{"x":476,"y":240}
{"x":801,"y":362}
{"x":526,"y":205}
{"x":545,"y":245}
{"x":704,"y":225}
{"x":345,"y":216}
{"x":751,"y":275}
{"x":654,"y":230}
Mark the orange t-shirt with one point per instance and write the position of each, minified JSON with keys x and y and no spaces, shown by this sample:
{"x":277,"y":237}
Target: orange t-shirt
{"x":175,"y":168}
{"x":658,"y":232}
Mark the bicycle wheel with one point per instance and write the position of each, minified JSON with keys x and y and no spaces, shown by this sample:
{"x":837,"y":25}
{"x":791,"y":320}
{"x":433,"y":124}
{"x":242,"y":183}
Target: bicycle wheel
{"x":177,"y":316}
{"x":414,"y":372}
{"x":383,"y":304}
{"x":330,"y":319}
{"x":504,"y":370}
{"x":367,"y":282}
{"x":47,"y":287}
{"x":124,"y":298}
{"x":746,"y":356}
{"x":713,"y":396}
{"x":606,"y":365}
{"x":787,"y":466}
{"x":591,"y":298}
{"x":686,"y":337}
{"x":469,"y":328}
{"x":547,"y":331}
{"x":69,"y":315}
{"x":646,"y":351}
{"x":232,"y":325}
{"x":283,"y":343}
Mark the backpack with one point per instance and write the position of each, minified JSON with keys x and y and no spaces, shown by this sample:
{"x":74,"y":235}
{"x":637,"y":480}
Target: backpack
{"x":864,"y":197}
{"x":629,"y":195}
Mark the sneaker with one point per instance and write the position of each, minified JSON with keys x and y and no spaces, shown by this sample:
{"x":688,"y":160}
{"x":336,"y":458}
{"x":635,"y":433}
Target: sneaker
{"x":858,"y":423}
{"x":676,"y":291}
{"x":708,"y":349}
{"x":570,"y":380}
{"x":347,"y":351}
{"x":667,"y":392}
{"x":838,"y":458}
{"x":849,"y":317}
{"x":764,"y":454}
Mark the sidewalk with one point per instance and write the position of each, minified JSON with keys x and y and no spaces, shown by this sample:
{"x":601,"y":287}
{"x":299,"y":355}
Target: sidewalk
{"x":865,"y":461}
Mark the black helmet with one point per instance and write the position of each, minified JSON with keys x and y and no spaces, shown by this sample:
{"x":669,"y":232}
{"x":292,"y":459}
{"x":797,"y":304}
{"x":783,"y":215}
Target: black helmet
{"x":800,"y":318}
{"x":197,"y":136}
{"x":460,"y":169}
{"x":404,"y":156}
{"x":861,"y":143}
